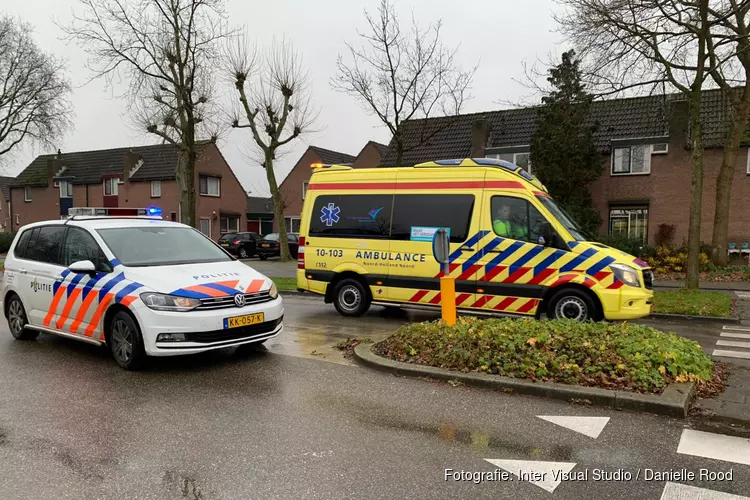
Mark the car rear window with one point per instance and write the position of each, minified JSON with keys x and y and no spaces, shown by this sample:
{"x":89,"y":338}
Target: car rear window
{"x":228,"y":237}
{"x":161,"y":246}
{"x":272,"y":237}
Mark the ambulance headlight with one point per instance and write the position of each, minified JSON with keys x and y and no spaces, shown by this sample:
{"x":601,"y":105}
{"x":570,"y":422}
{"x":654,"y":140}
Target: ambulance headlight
{"x":626,"y":274}
{"x":273,"y":292}
{"x":164,"y":302}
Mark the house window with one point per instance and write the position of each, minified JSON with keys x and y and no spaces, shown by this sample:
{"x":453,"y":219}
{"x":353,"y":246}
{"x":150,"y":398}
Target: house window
{"x":632,"y":160}
{"x":206,"y":227}
{"x":155,"y":189}
{"x":292,"y":224}
{"x":304,"y":189}
{"x":66,"y":189}
{"x":523,"y":160}
{"x":27,"y":193}
{"x":111,"y":186}
{"x":230,"y":224}
{"x":210,"y":186}
{"x":629,"y":222}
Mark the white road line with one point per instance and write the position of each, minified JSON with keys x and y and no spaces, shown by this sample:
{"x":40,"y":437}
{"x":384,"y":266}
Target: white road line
{"x":736,"y":335}
{"x":588,"y":426}
{"x":743,"y":295}
{"x":716,"y":446}
{"x":730,"y":354}
{"x":733,"y":343}
{"x":676,"y":491}
{"x":736,"y":328}
{"x":546,"y":475}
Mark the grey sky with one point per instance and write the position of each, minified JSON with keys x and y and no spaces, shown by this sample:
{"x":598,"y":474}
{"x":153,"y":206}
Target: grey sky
{"x":498,"y":34}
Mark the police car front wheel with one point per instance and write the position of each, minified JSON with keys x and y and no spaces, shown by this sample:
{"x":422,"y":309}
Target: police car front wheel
{"x":125,"y":342}
{"x":17,"y":320}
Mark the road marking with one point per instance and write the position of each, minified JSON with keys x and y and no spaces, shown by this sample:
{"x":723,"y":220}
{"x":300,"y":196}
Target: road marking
{"x":588,"y":426}
{"x":676,"y":491}
{"x":743,"y":295}
{"x":732,"y":343}
{"x":716,"y":446}
{"x":730,"y":354}
{"x":546,"y":475}
{"x":736,"y":335}
{"x":736,"y":328}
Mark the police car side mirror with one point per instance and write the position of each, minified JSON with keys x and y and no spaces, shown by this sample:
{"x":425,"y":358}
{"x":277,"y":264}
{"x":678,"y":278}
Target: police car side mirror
{"x":83,"y":267}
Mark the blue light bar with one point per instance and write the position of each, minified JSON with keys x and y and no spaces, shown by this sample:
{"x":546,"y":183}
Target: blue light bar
{"x":155,"y":211}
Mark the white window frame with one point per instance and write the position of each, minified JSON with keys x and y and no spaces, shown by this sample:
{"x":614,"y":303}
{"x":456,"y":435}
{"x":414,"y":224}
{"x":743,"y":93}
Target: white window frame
{"x":66,"y":186}
{"x":208,"y":178}
{"x":230,"y":229}
{"x":647,"y":152}
{"x":496,"y":156}
{"x":291,"y":224}
{"x":304,"y":188}
{"x":629,"y":217}
{"x":655,"y":152}
{"x":156,"y":193}
{"x":748,"y":161}
{"x":209,"y":226}
{"x":114,"y":184}
{"x":27,"y":193}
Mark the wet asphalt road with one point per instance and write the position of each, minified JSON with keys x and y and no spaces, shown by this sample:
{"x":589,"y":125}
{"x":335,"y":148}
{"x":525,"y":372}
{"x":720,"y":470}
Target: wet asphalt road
{"x":286,"y":422}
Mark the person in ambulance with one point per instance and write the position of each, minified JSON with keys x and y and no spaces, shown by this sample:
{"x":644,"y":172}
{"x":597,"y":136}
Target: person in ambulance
{"x":140,"y":285}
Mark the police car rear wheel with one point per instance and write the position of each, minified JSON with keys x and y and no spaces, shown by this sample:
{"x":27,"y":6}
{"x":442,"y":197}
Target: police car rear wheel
{"x":572,"y":304}
{"x":125,"y":341}
{"x":17,"y":320}
{"x":350,"y":298}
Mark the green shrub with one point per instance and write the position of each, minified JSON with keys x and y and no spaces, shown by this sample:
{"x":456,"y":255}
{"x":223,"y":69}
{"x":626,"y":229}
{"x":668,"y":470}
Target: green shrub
{"x":630,"y":246}
{"x":616,"y":356}
{"x":670,"y":260}
{"x":6,"y":238}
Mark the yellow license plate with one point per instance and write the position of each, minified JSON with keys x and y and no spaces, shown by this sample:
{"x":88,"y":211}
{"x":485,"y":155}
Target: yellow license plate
{"x":225,"y":244}
{"x":266,"y":245}
{"x":246,"y":320}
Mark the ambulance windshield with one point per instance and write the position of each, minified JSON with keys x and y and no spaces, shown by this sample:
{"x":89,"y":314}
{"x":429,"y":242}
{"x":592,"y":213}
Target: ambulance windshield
{"x":161,"y":246}
{"x":567,"y":222}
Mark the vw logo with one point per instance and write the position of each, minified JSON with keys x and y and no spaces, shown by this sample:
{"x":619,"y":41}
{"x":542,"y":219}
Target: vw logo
{"x":239,"y":300}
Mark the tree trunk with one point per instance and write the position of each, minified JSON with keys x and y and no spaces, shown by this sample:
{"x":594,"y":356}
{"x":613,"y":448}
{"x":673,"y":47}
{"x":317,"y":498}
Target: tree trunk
{"x":724,"y":180}
{"x":278,"y":210}
{"x":185,"y":176}
{"x":696,"y":192}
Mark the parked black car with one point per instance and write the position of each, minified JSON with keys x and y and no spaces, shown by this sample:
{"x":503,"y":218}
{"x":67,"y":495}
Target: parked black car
{"x":269,"y":246}
{"x":243,"y":245}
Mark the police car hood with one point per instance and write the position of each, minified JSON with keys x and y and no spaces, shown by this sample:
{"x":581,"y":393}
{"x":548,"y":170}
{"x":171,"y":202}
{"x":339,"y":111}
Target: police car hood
{"x":200,"y":281}
{"x":619,"y":256}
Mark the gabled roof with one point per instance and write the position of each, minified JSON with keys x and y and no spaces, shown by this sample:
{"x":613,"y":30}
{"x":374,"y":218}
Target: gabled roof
{"x":5,"y":183}
{"x":626,"y":118}
{"x":329,"y":156}
{"x":88,"y":167}
{"x":382,"y":148}
{"x":256,"y":205}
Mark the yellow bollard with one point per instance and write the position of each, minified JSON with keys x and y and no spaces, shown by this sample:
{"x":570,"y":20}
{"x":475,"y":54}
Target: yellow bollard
{"x":448,"y":299}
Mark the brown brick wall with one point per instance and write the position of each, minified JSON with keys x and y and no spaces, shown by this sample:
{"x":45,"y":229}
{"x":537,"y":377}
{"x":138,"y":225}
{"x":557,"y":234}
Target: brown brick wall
{"x":369,"y":157}
{"x":233,"y":199}
{"x":44,"y":205}
{"x":291,"y":188}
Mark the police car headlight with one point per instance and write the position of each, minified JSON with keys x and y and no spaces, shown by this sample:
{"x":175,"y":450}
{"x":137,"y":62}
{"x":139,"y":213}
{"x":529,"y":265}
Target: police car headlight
{"x":164,"y":302}
{"x":626,"y":274}
{"x":273,"y":292}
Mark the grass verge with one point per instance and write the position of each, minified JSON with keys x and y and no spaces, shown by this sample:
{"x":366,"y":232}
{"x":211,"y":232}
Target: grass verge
{"x":612,"y":356}
{"x":693,"y":302}
{"x":285,"y":284}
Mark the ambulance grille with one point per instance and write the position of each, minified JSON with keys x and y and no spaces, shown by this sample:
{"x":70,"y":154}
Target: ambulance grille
{"x":228,"y":301}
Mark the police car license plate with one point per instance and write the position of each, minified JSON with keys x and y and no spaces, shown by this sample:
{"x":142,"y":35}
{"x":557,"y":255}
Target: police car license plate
{"x":246,"y":320}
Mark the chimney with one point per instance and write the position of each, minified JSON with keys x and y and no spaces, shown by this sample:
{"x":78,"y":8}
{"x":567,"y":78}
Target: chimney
{"x":480,"y":137}
{"x":678,"y":114}
{"x":53,"y":166}
{"x":129,"y":165}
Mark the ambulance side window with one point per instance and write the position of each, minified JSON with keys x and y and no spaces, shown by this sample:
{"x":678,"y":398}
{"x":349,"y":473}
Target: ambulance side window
{"x":516,"y":218}
{"x":364,"y":216}
{"x":80,"y":245}
{"x":414,"y":211}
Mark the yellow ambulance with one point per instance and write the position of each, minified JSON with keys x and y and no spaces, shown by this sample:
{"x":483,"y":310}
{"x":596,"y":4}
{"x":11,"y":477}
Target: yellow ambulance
{"x":366,"y":238}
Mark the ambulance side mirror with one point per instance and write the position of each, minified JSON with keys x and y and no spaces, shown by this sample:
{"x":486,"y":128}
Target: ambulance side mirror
{"x":546,"y":234}
{"x":83,"y":267}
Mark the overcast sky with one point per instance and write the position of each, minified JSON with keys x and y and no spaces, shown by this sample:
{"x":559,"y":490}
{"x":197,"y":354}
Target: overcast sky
{"x":497,"y":34}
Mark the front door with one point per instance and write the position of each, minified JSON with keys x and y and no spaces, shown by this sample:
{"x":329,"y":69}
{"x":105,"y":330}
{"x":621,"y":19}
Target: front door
{"x":206,"y":227}
{"x":514,"y":268}
{"x":45,"y":273}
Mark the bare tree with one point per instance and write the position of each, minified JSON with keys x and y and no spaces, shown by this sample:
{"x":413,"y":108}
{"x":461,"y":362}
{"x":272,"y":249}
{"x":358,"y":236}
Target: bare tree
{"x":400,"y":76}
{"x":630,"y":42}
{"x":34,"y":90}
{"x":275,"y":105}
{"x":166,"y":49}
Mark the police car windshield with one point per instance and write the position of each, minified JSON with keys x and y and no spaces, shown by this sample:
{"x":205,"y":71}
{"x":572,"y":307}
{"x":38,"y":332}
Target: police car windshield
{"x":567,"y":222}
{"x":161,"y":246}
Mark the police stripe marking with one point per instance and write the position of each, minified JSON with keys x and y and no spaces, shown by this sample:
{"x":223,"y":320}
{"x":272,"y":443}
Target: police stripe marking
{"x":221,"y":288}
{"x":53,"y":306}
{"x":110,"y":284}
{"x":68,"y":306}
{"x":103,"y":304}
{"x":89,"y":286}
{"x":82,"y":312}
{"x":578,"y":260}
{"x":114,"y":262}
{"x":255,"y":286}
{"x":74,"y":283}
{"x":132,"y":287}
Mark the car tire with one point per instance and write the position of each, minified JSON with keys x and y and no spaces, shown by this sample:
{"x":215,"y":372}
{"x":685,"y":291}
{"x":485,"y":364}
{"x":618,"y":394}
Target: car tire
{"x":572,"y":304}
{"x":125,"y":341}
{"x":17,"y":320}
{"x":351,"y":298}
{"x":263,"y":256}
{"x":243,"y":253}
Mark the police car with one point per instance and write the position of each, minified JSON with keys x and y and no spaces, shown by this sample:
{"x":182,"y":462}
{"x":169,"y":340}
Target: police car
{"x":141,"y":285}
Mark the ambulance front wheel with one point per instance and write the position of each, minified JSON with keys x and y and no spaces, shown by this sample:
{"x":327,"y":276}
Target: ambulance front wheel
{"x":350,"y":298}
{"x":572,"y":304}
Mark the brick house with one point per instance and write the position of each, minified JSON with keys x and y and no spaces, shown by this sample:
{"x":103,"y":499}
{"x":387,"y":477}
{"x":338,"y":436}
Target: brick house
{"x":644,"y":144}
{"x":259,"y":215}
{"x":5,"y":206}
{"x":134,"y":177}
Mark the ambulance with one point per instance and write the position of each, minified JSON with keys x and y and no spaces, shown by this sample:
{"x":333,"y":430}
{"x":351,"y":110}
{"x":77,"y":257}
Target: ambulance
{"x":138,"y":284}
{"x":366,"y":238}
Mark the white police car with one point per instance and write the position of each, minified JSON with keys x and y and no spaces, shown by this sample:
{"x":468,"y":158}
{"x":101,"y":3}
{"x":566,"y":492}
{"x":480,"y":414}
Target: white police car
{"x":140,"y":285}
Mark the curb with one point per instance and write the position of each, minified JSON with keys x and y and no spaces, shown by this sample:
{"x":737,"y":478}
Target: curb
{"x":713,"y":319}
{"x":673,"y":402}
{"x":290,"y":292}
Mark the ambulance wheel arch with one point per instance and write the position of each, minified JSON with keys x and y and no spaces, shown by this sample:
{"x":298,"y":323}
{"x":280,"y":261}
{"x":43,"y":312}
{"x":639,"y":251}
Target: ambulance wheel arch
{"x":577,"y":299}
{"x":349,"y":293}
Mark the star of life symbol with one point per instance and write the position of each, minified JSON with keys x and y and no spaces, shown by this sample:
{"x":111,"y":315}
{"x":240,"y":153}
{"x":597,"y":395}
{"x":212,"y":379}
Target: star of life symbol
{"x":330,"y":214}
